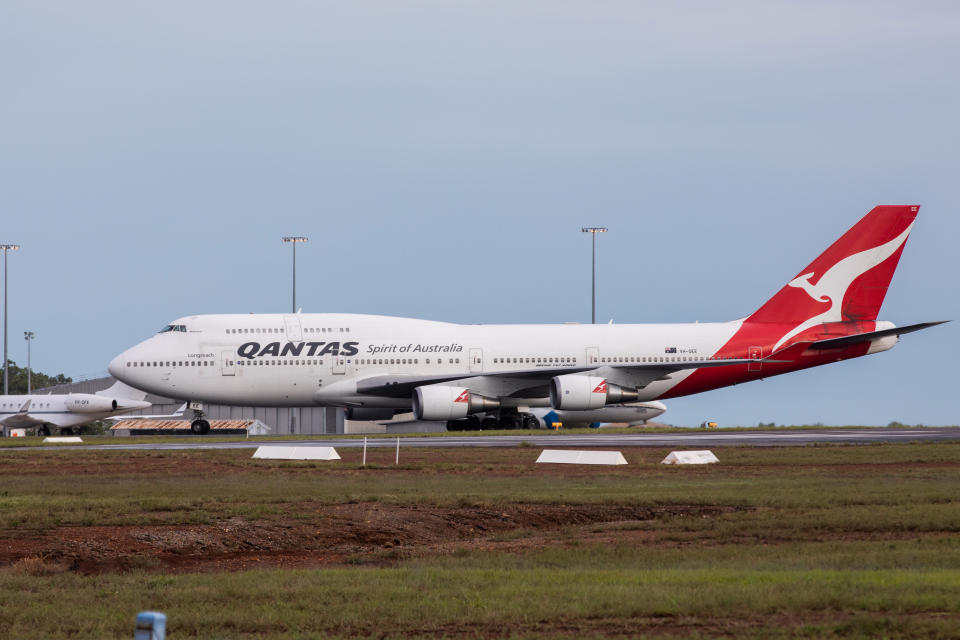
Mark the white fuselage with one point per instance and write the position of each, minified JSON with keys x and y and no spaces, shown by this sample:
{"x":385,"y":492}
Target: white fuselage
{"x":318,"y":359}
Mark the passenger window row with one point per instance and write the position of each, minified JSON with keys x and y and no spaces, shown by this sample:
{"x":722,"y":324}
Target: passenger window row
{"x":604,"y":360}
{"x":534,"y":360}
{"x":364,"y":361}
{"x":641,"y":359}
{"x":257,"y":330}
{"x":390,"y":361}
{"x":187,"y":363}
{"x":210,"y":363}
{"x":272,"y":329}
{"x":269,"y":362}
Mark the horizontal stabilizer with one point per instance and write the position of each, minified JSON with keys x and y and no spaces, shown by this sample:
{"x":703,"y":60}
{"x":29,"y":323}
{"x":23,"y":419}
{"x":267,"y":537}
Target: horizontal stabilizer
{"x":846,"y":341}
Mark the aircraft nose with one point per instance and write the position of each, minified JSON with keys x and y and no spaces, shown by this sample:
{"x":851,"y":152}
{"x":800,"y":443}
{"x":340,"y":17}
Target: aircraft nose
{"x":116,"y":366}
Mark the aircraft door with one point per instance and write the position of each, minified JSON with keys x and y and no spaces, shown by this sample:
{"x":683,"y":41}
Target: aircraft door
{"x":292,"y":327}
{"x":476,"y":360}
{"x":228,"y":363}
{"x":755,"y":354}
{"x":339,"y":365}
{"x":593,"y":357}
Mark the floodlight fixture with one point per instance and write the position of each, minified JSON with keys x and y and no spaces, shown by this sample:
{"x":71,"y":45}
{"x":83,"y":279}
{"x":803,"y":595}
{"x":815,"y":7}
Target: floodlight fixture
{"x":593,"y":231}
{"x":6,"y":248}
{"x":294,"y":241}
{"x":28,"y":336}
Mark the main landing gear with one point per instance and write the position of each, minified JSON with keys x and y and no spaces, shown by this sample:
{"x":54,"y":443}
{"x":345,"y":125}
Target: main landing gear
{"x":199,"y":426}
{"x":491,"y":421}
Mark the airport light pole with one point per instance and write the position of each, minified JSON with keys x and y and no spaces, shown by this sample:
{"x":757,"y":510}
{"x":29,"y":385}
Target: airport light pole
{"x":294,"y":240}
{"x":28,"y":336}
{"x":593,"y":231}
{"x":6,"y":248}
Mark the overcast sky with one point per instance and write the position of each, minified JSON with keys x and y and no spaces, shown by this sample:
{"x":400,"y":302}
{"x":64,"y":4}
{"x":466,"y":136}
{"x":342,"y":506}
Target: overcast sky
{"x":442,"y":157}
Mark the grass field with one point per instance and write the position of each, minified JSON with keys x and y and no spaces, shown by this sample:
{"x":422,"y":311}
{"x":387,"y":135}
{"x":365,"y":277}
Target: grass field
{"x":827,"y":541}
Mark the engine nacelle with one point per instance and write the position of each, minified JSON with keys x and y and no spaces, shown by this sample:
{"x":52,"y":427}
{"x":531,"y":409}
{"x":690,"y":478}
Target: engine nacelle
{"x":88,"y":403}
{"x":577,"y":392}
{"x":449,"y":403}
{"x":370,"y":413}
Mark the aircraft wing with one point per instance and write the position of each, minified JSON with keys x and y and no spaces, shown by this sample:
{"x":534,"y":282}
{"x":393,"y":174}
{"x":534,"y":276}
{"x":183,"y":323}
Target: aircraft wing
{"x":534,"y":382}
{"x":177,"y":414}
{"x":21,"y":418}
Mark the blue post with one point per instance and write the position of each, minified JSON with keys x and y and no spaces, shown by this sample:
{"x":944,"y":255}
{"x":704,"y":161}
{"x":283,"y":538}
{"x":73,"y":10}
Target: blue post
{"x":151,"y":625}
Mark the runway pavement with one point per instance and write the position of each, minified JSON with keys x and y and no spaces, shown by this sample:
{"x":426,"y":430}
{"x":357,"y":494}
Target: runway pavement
{"x":695,"y":439}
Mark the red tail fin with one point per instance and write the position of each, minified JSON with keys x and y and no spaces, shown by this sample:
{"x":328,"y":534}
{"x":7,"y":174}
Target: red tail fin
{"x":850,"y":279}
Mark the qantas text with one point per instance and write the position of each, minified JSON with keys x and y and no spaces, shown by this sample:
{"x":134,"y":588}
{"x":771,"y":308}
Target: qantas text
{"x":251,"y":350}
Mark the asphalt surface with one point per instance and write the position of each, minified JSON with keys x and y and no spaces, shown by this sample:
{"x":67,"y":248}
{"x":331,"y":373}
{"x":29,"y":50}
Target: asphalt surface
{"x":692,"y":440}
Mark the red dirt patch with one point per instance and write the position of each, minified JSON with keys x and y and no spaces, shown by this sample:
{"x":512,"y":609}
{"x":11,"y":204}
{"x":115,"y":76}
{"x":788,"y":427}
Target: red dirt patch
{"x":324,"y":535}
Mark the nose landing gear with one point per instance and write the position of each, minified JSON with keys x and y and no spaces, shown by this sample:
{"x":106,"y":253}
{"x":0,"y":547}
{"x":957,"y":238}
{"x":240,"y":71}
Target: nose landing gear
{"x":199,"y":426}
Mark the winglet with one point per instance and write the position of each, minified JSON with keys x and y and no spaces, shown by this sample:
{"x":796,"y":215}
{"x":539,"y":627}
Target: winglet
{"x":121,"y":391}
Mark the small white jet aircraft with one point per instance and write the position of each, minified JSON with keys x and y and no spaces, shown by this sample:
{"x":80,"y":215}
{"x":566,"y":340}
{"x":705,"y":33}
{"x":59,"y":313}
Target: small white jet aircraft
{"x":68,"y":412}
{"x":376,"y":365}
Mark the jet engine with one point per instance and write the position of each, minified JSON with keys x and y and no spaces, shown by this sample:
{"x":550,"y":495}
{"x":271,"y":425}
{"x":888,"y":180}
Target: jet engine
{"x":449,"y":403}
{"x":87,"y":403}
{"x":579,"y":393}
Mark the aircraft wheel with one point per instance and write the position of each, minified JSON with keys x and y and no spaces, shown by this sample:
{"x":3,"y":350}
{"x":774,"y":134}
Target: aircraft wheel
{"x":43,"y":430}
{"x":510,"y":421}
{"x":530,"y":422}
{"x":488,"y":423}
{"x":458,"y":425}
{"x":200,"y":427}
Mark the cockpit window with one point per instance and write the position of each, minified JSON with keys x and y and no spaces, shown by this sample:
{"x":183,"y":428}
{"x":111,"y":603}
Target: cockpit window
{"x":174,"y":327}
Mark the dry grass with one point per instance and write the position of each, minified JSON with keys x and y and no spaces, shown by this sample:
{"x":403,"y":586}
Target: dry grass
{"x":836,"y":542}
{"x":37,"y":566}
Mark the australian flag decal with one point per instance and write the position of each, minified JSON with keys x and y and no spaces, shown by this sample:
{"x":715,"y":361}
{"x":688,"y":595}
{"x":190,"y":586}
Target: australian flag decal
{"x":670,"y":350}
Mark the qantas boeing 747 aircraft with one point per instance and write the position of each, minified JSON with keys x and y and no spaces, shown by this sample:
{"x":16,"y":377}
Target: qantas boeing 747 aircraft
{"x":378,"y":365}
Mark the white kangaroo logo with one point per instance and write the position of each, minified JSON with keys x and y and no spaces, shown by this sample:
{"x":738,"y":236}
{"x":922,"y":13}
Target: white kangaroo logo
{"x":833,"y":285}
